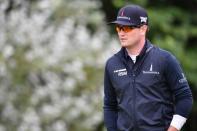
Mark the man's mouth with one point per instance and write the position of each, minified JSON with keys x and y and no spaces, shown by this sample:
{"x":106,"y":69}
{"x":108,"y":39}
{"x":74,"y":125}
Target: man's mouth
{"x":123,"y":39}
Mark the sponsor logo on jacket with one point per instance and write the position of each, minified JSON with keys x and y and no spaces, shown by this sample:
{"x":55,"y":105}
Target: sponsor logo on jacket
{"x":150,"y":71}
{"x":183,"y":79}
{"x":121,"y":72}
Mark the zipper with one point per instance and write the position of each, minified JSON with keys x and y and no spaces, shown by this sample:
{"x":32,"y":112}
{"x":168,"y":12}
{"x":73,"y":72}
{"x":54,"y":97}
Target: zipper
{"x":134,"y":102}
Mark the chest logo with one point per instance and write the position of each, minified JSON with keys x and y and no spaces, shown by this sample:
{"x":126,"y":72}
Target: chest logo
{"x":121,"y":72}
{"x":150,"y":71}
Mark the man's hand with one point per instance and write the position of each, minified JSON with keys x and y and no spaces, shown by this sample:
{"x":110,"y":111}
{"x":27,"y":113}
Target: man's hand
{"x":171,"y":128}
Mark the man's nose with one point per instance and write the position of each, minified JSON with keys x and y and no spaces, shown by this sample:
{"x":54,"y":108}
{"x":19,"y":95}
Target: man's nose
{"x":121,"y":32}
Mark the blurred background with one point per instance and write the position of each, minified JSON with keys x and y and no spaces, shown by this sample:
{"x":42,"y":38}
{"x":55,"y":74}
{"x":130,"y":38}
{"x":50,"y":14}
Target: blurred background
{"x":53,"y":53}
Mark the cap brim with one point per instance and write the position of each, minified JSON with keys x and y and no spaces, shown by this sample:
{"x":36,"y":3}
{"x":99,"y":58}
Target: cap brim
{"x":122,"y":23}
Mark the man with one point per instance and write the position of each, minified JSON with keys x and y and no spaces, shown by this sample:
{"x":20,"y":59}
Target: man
{"x":144,"y":86}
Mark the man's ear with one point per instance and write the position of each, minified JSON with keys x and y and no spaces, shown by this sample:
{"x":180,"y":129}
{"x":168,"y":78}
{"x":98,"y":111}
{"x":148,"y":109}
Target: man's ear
{"x":144,"y":29}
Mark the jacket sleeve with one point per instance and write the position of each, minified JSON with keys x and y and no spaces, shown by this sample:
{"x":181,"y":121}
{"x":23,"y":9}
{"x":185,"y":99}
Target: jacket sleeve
{"x":179,"y":86}
{"x":110,"y":103}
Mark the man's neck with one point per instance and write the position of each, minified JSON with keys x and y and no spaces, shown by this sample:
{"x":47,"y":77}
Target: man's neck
{"x":135,"y":50}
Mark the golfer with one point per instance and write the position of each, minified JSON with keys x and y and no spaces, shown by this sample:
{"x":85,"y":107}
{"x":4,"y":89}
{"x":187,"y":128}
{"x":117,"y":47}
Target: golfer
{"x":145,"y":88}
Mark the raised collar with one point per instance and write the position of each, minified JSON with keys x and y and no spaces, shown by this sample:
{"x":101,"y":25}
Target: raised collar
{"x":142,"y":52}
{"x":123,"y":54}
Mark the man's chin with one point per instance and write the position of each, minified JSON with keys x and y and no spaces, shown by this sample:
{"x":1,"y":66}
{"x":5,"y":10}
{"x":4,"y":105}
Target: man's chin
{"x":124,"y":44}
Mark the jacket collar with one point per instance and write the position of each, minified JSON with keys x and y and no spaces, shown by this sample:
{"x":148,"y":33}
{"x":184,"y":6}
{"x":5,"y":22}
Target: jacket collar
{"x":123,"y":54}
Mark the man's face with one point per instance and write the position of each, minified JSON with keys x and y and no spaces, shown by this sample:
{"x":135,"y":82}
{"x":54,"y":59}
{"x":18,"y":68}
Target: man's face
{"x":129,"y":36}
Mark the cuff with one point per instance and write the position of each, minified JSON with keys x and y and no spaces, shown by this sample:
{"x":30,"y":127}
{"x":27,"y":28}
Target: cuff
{"x":178,"y":121}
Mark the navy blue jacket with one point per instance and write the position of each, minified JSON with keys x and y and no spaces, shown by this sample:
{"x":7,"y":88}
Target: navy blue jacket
{"x":144,"y":96}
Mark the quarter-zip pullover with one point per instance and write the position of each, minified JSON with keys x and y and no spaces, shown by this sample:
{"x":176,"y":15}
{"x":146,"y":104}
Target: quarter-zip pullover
{"x":144,"y":96}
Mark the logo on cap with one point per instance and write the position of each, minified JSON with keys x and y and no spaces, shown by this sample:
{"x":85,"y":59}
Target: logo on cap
{"x":122,"y":14}
{"x":143,"y":19}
